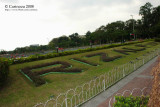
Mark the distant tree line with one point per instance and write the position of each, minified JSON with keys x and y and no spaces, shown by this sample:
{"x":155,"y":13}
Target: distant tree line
{"x":119,"y":31}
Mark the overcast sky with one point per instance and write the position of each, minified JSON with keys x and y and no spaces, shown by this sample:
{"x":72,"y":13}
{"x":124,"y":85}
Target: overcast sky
{"x":55,"y":18}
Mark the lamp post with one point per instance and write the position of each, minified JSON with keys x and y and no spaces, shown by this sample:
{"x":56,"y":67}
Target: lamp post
{"x":133,"y":26}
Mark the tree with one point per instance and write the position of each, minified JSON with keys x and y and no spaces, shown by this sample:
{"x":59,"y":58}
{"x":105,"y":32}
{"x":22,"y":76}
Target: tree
{"x":145,"y":12}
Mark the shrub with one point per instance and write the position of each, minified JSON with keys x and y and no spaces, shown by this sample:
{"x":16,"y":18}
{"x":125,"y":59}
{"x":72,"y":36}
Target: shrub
{"x":4,"y":70}
{"x":131,"y":101}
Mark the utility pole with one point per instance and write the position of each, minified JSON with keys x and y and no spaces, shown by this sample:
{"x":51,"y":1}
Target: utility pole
{"x":133,"y":26}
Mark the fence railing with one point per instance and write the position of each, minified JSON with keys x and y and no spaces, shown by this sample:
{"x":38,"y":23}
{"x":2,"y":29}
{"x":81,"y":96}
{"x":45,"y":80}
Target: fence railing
{"x":134,"y":92}
{"x":81,"y":94}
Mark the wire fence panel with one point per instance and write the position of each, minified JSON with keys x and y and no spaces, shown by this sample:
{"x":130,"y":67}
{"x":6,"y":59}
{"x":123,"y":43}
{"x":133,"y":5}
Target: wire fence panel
{"x":81,"y":94}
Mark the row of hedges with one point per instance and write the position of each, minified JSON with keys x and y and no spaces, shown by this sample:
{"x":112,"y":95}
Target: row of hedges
{"x":140,"y":45}
{"x":125,"y":50}
{"x":4,"y":70}
{"x":133,"y":50}
{"x":121,"y":51}
{"x":35,"y":76}
{"x":95,"y":54}
{"x":108,"y":59}
{"x":85,"y":61}
{"x":152,"y":43}
{"x":104,"y":56}
{"x":52,"y":55}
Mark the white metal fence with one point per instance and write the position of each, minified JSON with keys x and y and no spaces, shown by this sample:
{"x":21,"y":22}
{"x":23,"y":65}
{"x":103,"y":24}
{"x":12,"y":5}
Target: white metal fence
{"x":81,"y":94}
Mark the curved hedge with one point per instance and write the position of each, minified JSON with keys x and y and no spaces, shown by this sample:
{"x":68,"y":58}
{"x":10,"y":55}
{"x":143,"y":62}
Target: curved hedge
{"x":104,"y":56}
{"x":35,"y":77}
{"x":4,"y":70}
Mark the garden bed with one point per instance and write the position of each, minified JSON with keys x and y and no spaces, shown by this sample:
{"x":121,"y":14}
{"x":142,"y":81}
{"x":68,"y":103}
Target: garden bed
{"x":133,"y":50}
{"x":121,"y":51}
{"x":104,"y":56}
{"x":35,"y":77}
{"x":84,"y":61}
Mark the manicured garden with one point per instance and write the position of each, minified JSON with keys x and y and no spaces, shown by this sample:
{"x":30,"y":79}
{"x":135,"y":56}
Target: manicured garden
{"x":49,"y":77}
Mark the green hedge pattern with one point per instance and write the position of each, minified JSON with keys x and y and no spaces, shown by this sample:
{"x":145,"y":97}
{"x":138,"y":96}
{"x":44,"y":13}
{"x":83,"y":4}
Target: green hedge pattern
{"x":35,"y":77}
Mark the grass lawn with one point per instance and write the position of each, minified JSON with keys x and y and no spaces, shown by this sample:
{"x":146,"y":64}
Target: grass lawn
{"x":20,"y":92}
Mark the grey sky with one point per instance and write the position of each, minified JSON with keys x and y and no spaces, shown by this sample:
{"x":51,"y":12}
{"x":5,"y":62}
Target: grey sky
{"x":61,"y":17}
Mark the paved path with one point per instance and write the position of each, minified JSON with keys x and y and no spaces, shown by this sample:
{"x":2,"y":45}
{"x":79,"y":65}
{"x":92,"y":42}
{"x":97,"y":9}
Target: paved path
{"x":138,"y":79}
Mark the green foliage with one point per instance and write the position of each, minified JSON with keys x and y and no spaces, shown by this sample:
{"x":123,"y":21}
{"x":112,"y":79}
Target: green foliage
{"x":131,"y":101}
{"x":85,"y":61}
{"x":35,"y":76}
{"x":4,"y":70}
{"x":52,"y":55}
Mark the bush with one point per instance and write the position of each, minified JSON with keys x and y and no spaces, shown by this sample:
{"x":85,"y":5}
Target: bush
{"x":131,"y":101}
{"x":4,"y":70}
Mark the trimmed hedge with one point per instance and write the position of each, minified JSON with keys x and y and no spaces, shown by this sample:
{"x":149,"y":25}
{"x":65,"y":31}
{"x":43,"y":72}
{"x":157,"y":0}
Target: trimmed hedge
{"x":121,"y":51}
{"x":52,"y":55}
{"x":81,"y":60}
{"x":104,"y":56}
{"x":152,"y":44}
{"x":131,"y":101}
{"x":35,"y":76}
{"x":140,"y":45}
{"x":4,"y":70}
{"x":133,"y":50}
{"x":95,"y":54}
{"x":108,"y":59}
{"x":125,"y":50}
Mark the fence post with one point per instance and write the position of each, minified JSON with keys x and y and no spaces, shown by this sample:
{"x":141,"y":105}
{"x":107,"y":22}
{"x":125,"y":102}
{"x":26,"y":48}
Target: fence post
{"x":104,"y":85}
{"x":66,"y":101}
{"x":134,"y":66}
{"x":123,"y":72}
{"x":143,"y":61}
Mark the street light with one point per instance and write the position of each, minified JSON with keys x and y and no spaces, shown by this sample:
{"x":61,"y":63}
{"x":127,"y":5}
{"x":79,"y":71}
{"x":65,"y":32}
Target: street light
{"x":133,"y":26}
